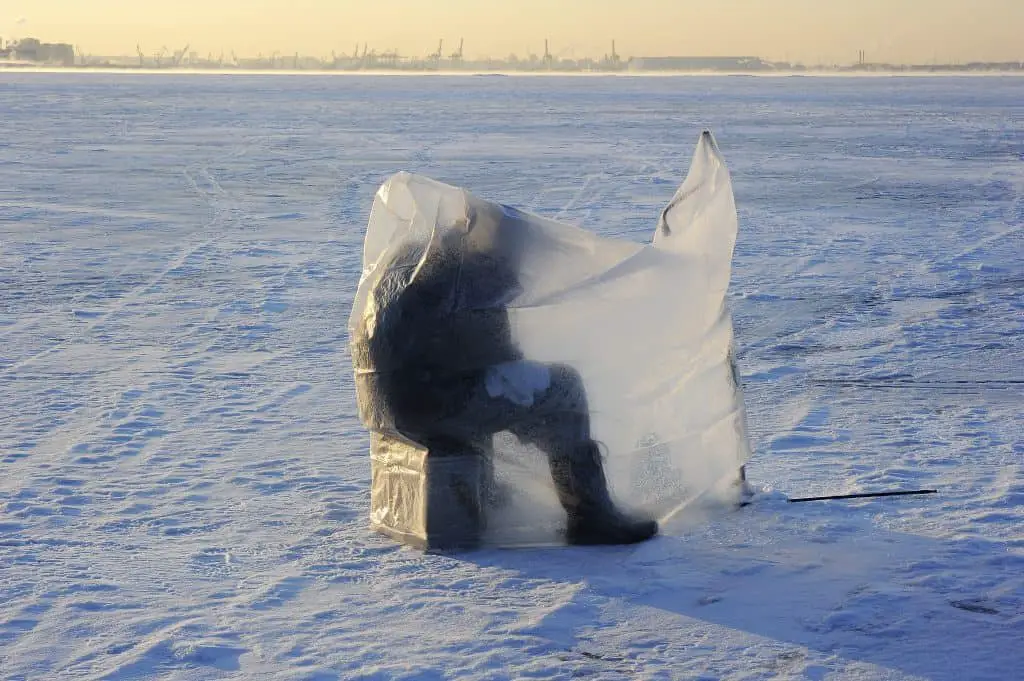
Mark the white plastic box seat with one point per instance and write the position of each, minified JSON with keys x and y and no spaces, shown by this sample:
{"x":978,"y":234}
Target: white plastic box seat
{"x":428,"y":499}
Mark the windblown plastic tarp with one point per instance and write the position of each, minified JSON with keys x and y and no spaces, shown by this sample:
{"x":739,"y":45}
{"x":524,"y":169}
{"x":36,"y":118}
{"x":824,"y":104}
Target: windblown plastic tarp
{"x":472,"y":318}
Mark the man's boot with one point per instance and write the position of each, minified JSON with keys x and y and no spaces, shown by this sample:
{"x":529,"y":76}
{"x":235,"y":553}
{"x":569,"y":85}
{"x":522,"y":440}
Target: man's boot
{"x":583,"y":490}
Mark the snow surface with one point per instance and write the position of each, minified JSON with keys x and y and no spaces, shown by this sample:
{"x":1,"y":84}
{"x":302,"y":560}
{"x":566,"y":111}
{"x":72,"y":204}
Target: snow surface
{"x":184,"y":486}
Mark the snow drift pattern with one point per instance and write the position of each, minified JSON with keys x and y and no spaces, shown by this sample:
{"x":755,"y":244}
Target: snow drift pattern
{"x":636,"y":339}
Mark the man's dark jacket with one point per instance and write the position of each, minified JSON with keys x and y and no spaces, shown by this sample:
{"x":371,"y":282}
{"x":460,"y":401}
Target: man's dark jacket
{"x":437,"y":330}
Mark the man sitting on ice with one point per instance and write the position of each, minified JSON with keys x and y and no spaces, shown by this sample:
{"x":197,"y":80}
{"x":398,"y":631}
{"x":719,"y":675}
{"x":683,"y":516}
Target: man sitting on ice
{"x":440,"y":366}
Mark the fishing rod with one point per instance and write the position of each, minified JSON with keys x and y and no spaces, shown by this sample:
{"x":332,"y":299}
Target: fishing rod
{"x":864,"y":495}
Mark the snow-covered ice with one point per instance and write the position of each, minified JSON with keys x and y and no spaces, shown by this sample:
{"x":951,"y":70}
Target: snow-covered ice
{"x":184,"y":487}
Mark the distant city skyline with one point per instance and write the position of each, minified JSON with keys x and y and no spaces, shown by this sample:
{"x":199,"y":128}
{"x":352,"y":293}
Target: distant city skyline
{"x":805,"y":31}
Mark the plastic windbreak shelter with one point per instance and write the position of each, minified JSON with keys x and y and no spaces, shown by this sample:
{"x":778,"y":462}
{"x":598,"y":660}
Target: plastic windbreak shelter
{"x":481,"y":334}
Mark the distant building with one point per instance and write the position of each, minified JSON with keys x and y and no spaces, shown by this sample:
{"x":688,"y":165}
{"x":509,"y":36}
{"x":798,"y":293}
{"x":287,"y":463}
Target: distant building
{"x":698,"y":64}
{"x":30,"y":49}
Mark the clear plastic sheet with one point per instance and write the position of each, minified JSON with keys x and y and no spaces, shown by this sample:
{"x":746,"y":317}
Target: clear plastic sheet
{"x":485,"y":338}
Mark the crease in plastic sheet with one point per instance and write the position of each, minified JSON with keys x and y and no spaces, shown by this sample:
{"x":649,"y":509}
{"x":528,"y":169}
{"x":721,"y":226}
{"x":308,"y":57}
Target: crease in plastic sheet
{"x":646,"y":327}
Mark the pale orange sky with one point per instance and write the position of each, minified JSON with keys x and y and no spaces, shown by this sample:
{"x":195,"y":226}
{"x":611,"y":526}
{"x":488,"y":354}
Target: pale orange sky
{"x":810,"y":31}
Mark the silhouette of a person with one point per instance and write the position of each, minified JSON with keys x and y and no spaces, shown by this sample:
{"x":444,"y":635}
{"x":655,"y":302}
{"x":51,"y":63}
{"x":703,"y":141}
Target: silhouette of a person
{"x":436,"y":362}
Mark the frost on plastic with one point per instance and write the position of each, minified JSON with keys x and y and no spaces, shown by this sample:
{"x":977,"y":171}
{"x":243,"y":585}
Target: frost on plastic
{"x":536,"y":322}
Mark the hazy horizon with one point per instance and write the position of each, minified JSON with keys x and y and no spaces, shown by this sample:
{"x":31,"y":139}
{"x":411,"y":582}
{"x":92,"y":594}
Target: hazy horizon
{"x":898,"y":31}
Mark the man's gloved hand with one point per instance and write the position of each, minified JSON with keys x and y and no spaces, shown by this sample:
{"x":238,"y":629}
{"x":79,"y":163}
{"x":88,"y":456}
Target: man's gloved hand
{"x":518,"y":382}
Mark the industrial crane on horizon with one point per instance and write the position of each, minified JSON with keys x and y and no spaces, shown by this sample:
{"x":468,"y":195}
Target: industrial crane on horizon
{"x":435,"y":57}
{"x":456,"y":56}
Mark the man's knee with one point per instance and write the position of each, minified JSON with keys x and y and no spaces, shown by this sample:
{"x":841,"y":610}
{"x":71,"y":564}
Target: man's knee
{"x":567,"y":382}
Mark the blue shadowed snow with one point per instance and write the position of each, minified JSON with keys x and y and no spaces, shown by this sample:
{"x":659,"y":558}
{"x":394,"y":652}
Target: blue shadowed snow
{"x":185,"y":483}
